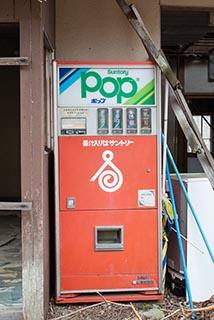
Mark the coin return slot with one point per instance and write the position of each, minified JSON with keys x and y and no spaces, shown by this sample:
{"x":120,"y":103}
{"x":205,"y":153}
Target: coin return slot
{"x":109,"y":238}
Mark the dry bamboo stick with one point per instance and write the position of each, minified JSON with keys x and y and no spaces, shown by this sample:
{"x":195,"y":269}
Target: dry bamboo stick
{"x":135,"y":311}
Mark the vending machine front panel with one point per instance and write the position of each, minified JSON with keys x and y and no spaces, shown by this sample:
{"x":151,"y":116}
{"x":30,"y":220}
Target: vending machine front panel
{"x":107,"y":172}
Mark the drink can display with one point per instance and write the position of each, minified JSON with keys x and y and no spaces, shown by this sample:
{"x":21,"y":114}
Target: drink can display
{"x":131,"y":120}
{"x":146,"y":121}
{"x":102,"y":121}
{"x":117,"y":120}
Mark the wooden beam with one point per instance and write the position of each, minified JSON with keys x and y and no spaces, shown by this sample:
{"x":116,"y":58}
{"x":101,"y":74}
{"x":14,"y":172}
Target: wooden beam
{"x":14,"y":61}
{"x":23,"y":206}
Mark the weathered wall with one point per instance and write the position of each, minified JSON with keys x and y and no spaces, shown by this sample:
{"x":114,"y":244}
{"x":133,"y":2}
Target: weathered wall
{"x":98,"y":30}
{"x":48,"y":20}
{"x":32,"y":140}
{"x":34,"y":18}
{"x":48,"y":25}
{"x":7,"y":10}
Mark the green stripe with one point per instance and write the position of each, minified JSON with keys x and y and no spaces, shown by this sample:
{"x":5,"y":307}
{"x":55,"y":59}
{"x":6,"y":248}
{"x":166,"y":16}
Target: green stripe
{"x":145,"y":97}
{"x":150,"y":100}
{"x":141,"y":93}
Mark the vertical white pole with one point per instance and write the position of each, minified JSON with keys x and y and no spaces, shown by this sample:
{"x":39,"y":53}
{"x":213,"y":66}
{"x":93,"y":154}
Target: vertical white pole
{"x":165,"y":123}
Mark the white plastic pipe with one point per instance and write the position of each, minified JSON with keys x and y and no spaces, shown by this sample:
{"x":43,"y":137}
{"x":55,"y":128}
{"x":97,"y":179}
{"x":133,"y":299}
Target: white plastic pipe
{"x":165,"y":124}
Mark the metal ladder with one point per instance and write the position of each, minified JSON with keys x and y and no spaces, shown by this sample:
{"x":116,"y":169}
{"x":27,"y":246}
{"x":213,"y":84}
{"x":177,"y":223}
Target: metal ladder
{"x":176,"y":97}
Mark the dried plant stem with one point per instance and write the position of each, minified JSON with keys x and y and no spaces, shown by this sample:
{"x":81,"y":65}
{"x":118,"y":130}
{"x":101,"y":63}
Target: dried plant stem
{"x":135,"y":311}
{"x":79,"y":310}
{"x":171,"y":314}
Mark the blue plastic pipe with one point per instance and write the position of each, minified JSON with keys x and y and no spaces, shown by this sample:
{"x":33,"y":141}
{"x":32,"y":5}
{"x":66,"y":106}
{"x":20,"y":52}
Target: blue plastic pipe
{"x":189,"y":203}
{"x":179,"y":236}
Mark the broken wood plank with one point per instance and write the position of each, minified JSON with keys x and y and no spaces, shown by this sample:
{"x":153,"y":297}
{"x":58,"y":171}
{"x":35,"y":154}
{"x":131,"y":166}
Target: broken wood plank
{"x":23,"y":206}
{"x":14,"y":61}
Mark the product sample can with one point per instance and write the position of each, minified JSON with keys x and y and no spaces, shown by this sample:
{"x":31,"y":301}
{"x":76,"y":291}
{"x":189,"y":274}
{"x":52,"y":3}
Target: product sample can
{"x":145,"y":120}
{"x":117,"y":120}
{"x":102,"y":121}
{"x":131,"y":120}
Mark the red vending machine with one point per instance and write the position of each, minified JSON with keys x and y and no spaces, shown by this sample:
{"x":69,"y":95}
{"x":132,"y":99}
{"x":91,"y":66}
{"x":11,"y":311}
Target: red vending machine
{"x":107,"y":170}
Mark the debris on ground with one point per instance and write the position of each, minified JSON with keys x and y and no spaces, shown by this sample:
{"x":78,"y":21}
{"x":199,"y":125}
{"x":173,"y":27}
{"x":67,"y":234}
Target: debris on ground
{"x":169,"y":308}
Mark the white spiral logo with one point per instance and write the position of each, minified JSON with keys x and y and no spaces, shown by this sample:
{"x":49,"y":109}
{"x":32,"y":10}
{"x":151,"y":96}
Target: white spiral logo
{"x":108,"y":180}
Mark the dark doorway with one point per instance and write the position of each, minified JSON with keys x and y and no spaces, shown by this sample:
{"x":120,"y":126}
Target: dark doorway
{"x":10,"y":170}
{"x":187,"y":39}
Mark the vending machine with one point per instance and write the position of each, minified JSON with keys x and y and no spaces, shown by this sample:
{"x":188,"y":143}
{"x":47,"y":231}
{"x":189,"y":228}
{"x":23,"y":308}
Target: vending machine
{"x":107,"y":181}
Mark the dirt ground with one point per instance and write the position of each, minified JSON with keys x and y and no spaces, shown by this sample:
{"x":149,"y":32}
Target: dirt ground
{"x":170,"y":307}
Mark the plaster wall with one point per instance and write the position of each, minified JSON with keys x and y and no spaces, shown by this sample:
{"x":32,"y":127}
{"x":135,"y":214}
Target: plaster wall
{"x":48,"y":21}
{"x":197,"y":69}
{"x":98,"y":30}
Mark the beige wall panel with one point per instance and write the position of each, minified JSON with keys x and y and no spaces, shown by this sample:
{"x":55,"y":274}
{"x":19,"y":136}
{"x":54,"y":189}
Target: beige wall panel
{"x":98,"y":30}
{"x":48,"y":20}
{"x":188,"y":3}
